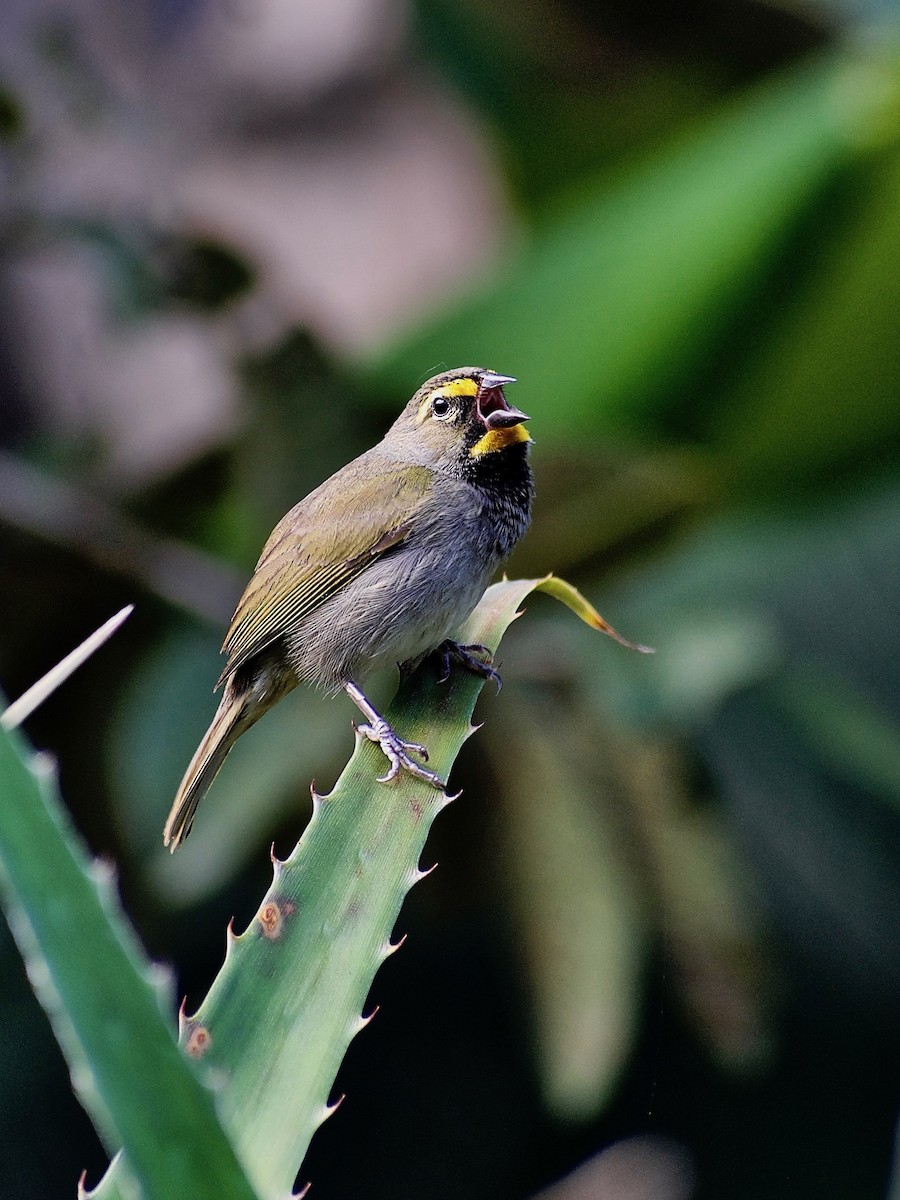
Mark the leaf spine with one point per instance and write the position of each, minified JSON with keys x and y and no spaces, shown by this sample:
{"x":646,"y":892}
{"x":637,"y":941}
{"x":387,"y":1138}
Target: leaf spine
{"x":183,"y":1018}
{"x":447,"y":799}
{"x":231,"y":938}
{"x":315,"y":796}
{"x":418,"y":874}
{"x":328,"y":1110}
{"x":363,"y":1020}
{"x":277,"y":866}
{"x":43,"y":766}
{"x":388,"y":948}
{"x":102,"y":871}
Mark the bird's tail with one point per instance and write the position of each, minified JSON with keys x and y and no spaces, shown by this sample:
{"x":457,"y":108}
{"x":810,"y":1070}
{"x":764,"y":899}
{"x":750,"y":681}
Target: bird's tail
{"x":233,"y":716}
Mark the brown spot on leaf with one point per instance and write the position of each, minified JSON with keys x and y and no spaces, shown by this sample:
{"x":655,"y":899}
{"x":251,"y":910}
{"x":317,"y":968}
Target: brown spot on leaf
{"x":198,"y":1040}
{"x":271,"y":917}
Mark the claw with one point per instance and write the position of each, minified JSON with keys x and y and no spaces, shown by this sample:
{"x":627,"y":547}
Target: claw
{"x":472,"y":657}
{"x":444,"y":654}
{"x":398,"y":752}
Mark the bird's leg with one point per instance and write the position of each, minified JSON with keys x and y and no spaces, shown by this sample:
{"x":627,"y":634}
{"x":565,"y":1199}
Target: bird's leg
{"x":395,"y":750}
{"x":472,"y":658}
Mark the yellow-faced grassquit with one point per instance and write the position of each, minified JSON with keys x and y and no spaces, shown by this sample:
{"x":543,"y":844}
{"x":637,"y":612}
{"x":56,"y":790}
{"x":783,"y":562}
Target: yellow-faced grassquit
{"x":379,"y":565}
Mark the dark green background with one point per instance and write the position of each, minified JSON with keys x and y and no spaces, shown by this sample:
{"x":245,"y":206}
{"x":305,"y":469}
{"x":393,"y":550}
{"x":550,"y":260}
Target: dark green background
{"x":701,"y":303}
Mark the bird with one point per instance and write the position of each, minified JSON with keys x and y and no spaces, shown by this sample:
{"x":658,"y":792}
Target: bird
{"x":377,"y":566}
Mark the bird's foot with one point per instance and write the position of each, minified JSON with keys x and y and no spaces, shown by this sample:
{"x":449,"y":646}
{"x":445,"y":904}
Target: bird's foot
{"x":398,"y":753}
{"x":475,"y":658}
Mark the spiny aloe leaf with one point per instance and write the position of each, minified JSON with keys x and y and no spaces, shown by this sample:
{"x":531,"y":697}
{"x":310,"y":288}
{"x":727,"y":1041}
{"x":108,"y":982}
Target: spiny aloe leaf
{"x":104,"y":1001}
{"x":278,"y":1019}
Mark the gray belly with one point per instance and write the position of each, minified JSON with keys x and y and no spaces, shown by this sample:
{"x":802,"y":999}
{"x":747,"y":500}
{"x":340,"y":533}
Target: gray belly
{"x":400,"y":607}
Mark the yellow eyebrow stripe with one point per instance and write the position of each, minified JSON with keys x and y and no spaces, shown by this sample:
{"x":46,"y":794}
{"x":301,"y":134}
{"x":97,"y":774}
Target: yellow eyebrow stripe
{"x":456,"y":387}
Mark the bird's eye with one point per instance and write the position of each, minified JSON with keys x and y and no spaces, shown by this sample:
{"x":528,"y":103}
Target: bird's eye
{"x":440,"y":407}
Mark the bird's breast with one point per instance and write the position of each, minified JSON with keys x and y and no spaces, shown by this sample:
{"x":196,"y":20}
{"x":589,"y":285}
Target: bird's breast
{"x":417,"y":593}
{"x":401,"y":606}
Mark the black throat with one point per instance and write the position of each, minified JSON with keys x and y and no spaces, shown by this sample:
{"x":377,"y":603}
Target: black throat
{"x":503,"y":479}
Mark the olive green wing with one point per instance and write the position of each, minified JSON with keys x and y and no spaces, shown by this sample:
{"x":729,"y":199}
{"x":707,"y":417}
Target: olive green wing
{"x":320,"y":545}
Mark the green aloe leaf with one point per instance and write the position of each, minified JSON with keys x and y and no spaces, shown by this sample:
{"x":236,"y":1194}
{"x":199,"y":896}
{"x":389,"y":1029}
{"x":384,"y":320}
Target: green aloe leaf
{"x":105,"y":1002}
{"x":277,"y":1021}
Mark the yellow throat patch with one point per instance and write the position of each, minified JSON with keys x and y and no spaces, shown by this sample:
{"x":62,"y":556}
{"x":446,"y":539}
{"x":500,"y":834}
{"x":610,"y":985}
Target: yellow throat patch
{"x":499,"y":439}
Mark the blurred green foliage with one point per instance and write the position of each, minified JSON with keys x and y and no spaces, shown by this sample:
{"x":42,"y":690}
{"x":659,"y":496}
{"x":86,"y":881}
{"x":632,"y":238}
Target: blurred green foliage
{"x":701,"y":303}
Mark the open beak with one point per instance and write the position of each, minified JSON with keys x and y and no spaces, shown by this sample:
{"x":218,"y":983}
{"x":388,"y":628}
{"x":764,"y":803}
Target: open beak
{"x":493,"y":410}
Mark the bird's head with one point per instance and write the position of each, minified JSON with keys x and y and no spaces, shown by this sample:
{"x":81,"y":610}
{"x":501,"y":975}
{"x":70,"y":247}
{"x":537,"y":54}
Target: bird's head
{"x":462,"y":418}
